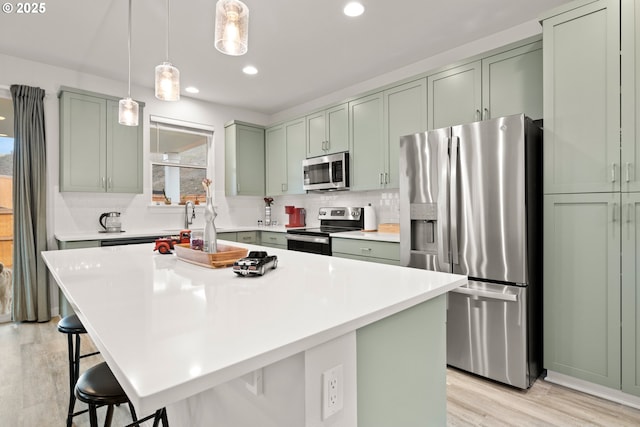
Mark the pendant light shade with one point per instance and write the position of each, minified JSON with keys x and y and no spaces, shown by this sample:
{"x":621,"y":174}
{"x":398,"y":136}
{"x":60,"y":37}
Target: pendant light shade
{"x":127,"y":107}
{"x":128,"y":112}
{"x":232,"y":27}
{"x":167,"y":82}
{"x":167,"y":76}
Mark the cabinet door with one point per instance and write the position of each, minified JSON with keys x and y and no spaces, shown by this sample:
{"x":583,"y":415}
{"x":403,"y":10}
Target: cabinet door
{"x":337,"y":128}
{"x":276,"y":155}
{"x":367,"y":156}
{"x":631,"y":293}
{"x":582,"y":99}
{"x":455,"y":96}
{"x":512,"y":83}
{"x":295,"y":135}
{"x":630,"y":96}
{"x":405,"y":112}
{"x":83,"y":142}
{"x":582,"y":286}
{"x":124,"y":154}
{"x":250,"y":161}
{"x":316,"y":134}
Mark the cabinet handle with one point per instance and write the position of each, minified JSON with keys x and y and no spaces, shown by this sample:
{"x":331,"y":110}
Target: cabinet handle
{"x":615,"y":208}
{"x":328,"y":145}
{"x":104,"y":183}
{"x":386,"y":178}
{"x":238,"y":188}
{"x":613,"y":172}
{"x":628,"y":172}
{"x":365,"y":249}
{"x":381,"y":179}
{"x":109,"y":183}
{"x":485,"y":114}
{"x":478,"y":115}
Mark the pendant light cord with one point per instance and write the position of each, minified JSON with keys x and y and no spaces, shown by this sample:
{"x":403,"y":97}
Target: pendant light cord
{"x":129,"y":49}
{"x":167,"y":30}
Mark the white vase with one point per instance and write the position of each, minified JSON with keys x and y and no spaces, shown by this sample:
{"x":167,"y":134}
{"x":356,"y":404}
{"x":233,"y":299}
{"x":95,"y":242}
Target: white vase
{"x":210,"y":244}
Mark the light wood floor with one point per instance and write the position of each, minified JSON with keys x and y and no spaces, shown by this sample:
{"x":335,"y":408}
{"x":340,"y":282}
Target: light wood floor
{"x":34,"y":391}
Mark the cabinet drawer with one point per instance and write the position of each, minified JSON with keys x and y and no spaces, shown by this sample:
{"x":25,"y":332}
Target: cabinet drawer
{"x":366,"y":248}
{"x":273,"y":239}
{"x":230,"y":236}
{"x":247,"y":236}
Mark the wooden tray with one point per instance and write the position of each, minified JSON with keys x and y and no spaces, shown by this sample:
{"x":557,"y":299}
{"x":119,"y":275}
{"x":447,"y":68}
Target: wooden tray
{"x":225,"y":256}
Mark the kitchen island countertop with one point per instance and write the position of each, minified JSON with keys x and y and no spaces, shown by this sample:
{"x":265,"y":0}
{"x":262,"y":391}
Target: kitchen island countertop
{"x":170,"y":330}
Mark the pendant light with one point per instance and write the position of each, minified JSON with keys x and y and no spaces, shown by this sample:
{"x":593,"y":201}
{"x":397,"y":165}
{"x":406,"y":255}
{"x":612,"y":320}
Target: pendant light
{"x":232,"y":27}
{"x":167,"y":76}
{"x":127,"y":107}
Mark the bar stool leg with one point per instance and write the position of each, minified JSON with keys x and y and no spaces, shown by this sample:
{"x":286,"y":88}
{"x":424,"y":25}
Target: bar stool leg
{"x":93,"y":416}
{"x":73,"y":374}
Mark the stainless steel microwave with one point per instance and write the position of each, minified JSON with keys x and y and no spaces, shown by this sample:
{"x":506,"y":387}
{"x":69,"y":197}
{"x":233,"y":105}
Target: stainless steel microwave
{"x":330,"y":172}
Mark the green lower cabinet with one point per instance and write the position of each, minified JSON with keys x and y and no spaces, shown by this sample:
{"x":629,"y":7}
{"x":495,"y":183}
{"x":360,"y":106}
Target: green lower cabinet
{"x":582,"y":238}
{"x":231,"y":236}
{"x":366,"y":250}
{"x":273,"y":239}
{"x":631,"y":293}
{"x":247,"y":237}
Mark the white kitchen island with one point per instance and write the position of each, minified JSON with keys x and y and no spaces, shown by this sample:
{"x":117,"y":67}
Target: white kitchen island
{"x":222,"y":350}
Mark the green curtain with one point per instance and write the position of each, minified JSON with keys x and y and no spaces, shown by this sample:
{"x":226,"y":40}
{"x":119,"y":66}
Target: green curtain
{"x":30,"y":276}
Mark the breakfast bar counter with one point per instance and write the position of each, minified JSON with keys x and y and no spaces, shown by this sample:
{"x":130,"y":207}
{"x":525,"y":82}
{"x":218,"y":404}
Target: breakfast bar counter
{"x":220,"y":349}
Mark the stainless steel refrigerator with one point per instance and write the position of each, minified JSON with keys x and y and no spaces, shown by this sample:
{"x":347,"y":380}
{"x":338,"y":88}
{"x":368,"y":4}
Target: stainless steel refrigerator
{"x":471,"y":203}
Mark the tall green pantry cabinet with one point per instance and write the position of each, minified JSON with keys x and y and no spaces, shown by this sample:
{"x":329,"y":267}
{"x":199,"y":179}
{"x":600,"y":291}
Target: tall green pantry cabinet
{"x":592,"y":195}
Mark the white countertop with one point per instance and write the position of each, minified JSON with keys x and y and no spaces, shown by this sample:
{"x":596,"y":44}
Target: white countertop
{"x":368,"y":235}
{"x":169,"y":329}
{"x":127,"y":234}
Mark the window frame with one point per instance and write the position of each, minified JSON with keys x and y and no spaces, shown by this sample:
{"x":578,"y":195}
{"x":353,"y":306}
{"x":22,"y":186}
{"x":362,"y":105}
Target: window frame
{"x":158,"y":122}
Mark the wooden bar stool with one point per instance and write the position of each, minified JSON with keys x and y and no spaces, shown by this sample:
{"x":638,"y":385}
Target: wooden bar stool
{"x":97,"y":386}
{"x":72,"y":326}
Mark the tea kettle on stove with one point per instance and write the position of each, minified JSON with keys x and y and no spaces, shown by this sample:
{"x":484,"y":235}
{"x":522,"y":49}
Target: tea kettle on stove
{"x":110,"y":221}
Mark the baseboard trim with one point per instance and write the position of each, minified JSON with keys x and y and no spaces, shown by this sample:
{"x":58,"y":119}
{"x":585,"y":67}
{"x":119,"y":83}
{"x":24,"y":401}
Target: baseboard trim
{"x":593,"y":389}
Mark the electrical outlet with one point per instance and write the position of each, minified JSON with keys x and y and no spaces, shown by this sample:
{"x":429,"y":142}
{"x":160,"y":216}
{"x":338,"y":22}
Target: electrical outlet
{"x":332,"y":391}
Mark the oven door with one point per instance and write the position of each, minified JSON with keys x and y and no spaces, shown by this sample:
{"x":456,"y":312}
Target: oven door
{"x":306,"y":243}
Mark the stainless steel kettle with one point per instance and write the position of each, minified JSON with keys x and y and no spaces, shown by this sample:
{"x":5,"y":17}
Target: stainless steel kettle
{"x":110,"y":221}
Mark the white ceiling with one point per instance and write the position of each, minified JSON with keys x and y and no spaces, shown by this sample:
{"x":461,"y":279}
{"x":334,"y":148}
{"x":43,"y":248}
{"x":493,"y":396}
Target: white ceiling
{"x":303,"y":49}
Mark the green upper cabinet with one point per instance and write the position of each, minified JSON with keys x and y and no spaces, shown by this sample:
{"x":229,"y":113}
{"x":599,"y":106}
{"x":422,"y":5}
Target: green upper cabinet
{"x":97,"y":154}
{"x":367,"y":155}
{"x":405,"y":112}
{"x":276,"y":156}
{"x":630,"y":97}
{"x":286,"y":148}
{"x":295,"y":132}
{"x":376,"y":124}
{"x":582,"y":286}
{"x":244,"y":159}
{"x":328,"y":131}
{"x":582,"y":100}
{"x":512,"y":83}
{"x":455,"y":96}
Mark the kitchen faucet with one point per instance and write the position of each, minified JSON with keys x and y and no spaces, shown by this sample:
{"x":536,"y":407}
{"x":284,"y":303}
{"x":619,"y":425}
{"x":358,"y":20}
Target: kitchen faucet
{"x":188,"y":221}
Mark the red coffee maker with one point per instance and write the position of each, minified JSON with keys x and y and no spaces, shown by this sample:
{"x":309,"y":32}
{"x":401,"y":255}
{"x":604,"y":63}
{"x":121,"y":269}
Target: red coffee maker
{"x":296,"y":216}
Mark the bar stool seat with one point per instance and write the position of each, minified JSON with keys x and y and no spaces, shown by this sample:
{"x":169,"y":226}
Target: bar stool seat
{"x":73,"y":327}
{"x":97,"y":386}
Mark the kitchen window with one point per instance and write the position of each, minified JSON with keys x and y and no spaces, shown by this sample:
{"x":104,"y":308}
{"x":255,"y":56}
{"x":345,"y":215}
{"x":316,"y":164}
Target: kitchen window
{"x":179,"y":155}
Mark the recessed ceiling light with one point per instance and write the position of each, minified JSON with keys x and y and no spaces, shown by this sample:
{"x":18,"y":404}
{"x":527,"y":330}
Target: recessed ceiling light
{"x":2,"y":117}
{"x":3,"y":134}
{"x":354,"y":8}
{"x":192,"y":89}
{"x":250,"y":69}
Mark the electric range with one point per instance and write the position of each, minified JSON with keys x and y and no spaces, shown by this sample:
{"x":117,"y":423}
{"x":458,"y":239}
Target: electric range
{"x":317,"y":240}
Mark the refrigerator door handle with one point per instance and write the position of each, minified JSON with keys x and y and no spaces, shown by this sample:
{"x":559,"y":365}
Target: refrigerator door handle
{"x":455,"y":147}
{"x":486,"y":294}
